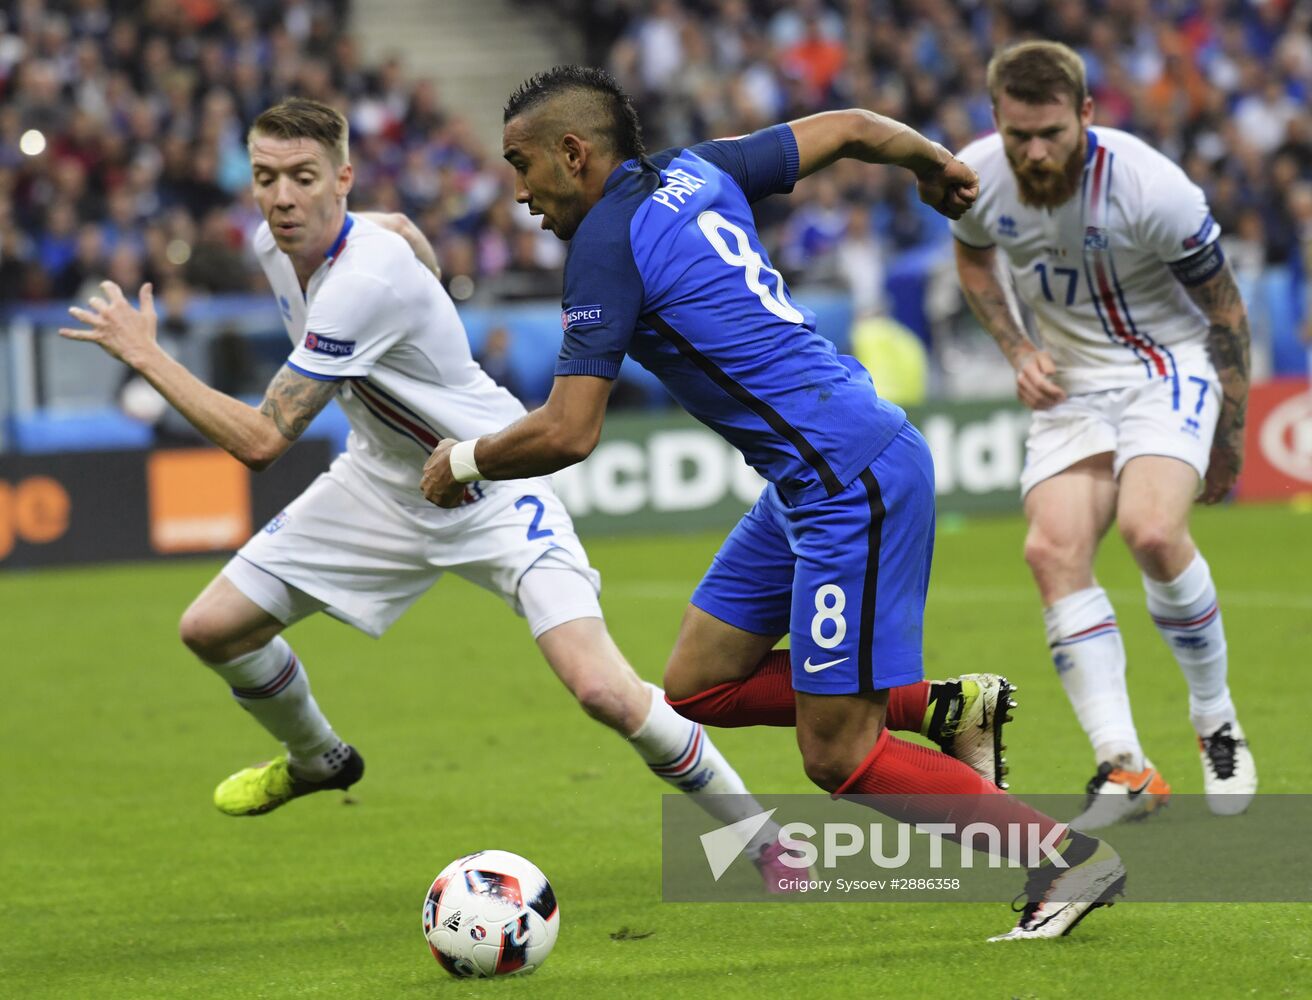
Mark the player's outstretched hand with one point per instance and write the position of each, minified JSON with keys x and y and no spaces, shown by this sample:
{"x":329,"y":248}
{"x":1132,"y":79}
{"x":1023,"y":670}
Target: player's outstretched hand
{"x":439,"y":485}
{"x":951,"y":188}
{"x":124,"y":332}
{"x":1222,"y":468}
{"x":1034,"y":388}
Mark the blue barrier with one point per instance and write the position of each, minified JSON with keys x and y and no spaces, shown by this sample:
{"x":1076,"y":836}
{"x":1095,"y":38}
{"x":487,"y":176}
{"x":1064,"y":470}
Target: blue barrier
{"x":1279,"y":298}
{"x":103,"y":429}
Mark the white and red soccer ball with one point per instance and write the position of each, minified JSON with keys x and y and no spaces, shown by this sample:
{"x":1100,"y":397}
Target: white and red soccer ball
{"x":488,"y":914}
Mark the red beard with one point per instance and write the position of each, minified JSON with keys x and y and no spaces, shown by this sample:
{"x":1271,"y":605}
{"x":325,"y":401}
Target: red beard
{"x":1048,"y":187}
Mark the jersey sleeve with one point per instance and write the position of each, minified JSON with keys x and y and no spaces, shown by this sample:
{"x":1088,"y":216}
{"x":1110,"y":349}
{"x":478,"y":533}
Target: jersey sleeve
{"x":762,"y":164}
{"x":602,"y":302}
{"x":351,"y":324}
{"x":971,"y":231}
{"x":1176,"y":222}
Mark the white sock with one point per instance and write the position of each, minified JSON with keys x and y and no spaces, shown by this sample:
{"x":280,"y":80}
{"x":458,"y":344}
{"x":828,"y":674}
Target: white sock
{"x":1189,"y":619}
{"x":679,"y":751}
{"x":270,"y":683}
{"x":1090,"y":660}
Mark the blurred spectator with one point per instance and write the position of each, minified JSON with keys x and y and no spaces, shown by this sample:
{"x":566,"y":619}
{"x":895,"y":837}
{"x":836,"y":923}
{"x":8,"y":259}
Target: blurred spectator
{"x":138,"y":398}
{"x":531,"y":272}
{"x":895,"y":358}
{"x":860,"y":263}
{"x":1300,"y":210}
{"x":13,"y":258}
{"x":495,"y":360}
{"x":815,"y":59}
{"x":815,"y":228}
{"x":1245,"y":247}
{"x":1263,"y":115}
{"x":216,"y":263}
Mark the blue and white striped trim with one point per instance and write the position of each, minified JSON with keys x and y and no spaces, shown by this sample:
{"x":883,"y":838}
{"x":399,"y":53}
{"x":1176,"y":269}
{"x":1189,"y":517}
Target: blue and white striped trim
{"x":317,"y":376}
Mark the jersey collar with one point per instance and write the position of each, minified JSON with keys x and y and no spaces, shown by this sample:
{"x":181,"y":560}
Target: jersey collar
{"x":339,"y":244}
{"x":629,"y":167}
{"x":1093,"y":146}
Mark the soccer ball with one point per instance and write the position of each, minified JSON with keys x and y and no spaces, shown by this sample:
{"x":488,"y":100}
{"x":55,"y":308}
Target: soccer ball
{"x":491,"y":913}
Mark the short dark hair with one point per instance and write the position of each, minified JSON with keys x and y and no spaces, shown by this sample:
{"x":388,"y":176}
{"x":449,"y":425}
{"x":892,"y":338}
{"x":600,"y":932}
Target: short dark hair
{"x":623,"y":130}
{"x":1036,"y":73}
{"x":301,"y":118}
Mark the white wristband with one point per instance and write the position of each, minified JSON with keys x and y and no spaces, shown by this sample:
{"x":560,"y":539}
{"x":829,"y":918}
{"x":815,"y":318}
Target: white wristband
{"x":463,"y":469}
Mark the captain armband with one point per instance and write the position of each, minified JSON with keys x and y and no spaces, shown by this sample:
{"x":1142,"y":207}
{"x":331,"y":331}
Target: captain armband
{"x":1196,"y":269}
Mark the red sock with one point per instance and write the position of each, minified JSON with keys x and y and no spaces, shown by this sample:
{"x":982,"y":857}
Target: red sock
{"x":766,"y":699}
{"x":906,"y":707}
{"x":896,"y":767}
{"x":927,"y":786}
{"x":763,"y":699}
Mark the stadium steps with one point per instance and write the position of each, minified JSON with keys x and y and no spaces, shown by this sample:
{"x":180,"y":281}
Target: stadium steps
{"x":476,"y":50}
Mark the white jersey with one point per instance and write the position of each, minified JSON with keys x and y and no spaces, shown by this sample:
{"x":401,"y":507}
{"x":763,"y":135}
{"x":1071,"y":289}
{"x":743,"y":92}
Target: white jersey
{"x":1096,"y":271}
{"x":374,"y":318}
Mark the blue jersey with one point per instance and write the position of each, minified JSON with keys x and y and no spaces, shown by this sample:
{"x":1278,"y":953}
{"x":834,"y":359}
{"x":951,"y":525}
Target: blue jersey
{"x":667,"y":267}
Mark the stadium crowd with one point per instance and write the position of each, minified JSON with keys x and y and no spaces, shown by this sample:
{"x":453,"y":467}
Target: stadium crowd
{"x":122,"y":124}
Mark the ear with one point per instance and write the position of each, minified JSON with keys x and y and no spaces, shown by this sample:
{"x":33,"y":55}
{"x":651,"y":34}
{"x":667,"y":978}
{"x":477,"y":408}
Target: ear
{"x":345,"y":179}
{"x":576,"y":151}
{"x":1086,"y":112}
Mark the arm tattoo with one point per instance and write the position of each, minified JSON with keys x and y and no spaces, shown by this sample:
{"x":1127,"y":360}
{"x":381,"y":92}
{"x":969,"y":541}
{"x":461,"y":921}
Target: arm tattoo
{"x":293,"y":400}
{"x":1227,"y":345}
{"x":989,"y":302}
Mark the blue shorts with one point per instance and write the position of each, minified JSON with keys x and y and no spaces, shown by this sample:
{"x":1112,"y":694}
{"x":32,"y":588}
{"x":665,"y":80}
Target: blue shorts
{"x":845,"y":577}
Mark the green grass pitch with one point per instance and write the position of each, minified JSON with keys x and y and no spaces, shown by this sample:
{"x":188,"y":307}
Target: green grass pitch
{"x":122,"y":881}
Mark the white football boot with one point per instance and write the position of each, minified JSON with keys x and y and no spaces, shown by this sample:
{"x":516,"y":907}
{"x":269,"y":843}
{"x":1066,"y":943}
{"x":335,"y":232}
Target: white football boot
{"x":1229,"y":774}
{"x":967,"y":719}
{"x":1056,"y":899}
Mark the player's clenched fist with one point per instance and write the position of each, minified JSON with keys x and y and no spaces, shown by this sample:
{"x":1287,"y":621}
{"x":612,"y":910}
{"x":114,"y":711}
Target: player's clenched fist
{"x":1033,"y":386}
{"x":121,"y":330}
{"x":438,"y":483}
{"x":951,"y":188}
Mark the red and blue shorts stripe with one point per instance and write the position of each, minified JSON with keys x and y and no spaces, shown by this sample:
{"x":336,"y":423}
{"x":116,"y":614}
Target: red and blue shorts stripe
{"x":1195,"y":624}
{"x":274,"y":687}
{"x":1105,"y":627}
{"x":687,"y":759}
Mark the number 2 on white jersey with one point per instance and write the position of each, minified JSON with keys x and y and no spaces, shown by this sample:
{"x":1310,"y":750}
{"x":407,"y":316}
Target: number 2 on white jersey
{"x":713,"y":226}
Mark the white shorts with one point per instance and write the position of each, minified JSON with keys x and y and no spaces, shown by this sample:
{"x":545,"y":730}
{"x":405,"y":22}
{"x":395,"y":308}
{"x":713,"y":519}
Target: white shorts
{"x":1171,"y":417}
{"x":346,"y":548}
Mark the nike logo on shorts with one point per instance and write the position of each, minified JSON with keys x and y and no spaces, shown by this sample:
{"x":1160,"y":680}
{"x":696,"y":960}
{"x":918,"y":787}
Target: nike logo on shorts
{"x":815,"y":668}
